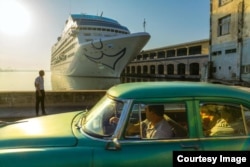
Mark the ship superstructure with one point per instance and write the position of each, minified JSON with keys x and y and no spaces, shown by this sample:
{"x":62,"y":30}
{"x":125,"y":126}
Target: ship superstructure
{"x":95,"y":46}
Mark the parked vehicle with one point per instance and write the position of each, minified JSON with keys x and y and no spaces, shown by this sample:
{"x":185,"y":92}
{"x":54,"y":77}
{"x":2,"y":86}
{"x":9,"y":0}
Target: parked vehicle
{"x":201,"y":116}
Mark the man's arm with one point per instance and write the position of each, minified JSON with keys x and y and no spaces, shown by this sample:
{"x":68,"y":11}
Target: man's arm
{"x":38,"y":88}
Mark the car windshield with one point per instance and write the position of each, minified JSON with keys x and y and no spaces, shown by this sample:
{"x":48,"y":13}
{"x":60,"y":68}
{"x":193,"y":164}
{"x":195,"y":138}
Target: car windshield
{"x":98,"y":121}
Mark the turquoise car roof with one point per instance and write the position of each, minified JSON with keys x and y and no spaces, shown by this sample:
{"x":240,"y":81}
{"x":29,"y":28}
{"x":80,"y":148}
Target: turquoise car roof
{"x":140,"y":90}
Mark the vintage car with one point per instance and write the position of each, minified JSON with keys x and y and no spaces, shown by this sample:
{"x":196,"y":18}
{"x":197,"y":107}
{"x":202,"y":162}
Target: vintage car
{"x":202,"y":117}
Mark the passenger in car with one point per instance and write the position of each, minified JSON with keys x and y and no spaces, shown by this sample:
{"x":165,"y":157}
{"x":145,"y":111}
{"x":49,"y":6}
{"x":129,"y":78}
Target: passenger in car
{"x":210,"y":116}
{"x":229,"y":124}
{"x":155,"y":126}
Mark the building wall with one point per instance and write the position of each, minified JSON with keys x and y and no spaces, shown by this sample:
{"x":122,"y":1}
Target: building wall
{"x":246,"y":60}
{"x":230,"y":53}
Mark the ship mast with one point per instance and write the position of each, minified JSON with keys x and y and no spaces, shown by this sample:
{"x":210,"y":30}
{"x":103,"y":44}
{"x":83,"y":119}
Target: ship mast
{"x":144,"y":25}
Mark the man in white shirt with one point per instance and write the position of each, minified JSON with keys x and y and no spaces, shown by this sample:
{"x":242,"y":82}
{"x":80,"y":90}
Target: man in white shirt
{"x":154,"y":127}
{"x":40,"y":93}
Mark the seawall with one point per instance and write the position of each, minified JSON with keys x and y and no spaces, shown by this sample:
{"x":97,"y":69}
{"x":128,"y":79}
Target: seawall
{"x":18,"y":105}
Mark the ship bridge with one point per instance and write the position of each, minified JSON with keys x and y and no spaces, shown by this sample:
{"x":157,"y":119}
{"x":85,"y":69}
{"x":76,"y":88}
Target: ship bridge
{"x":90,"y":20}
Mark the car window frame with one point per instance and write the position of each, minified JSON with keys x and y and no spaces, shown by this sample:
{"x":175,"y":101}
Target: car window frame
{"x":218,"y":100}
{"x":187,"y":101}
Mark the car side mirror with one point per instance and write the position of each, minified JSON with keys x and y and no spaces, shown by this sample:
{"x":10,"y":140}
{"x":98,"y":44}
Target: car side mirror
{"x":113,"y":145}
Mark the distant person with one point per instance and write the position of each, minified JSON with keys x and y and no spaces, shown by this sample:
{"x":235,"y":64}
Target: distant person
{"x":40,"y":93}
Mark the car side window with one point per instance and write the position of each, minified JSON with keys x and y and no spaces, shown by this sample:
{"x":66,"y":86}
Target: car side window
{"x":246,"y":112}
{"x":222,"y":119}
{"x":157,"y":121}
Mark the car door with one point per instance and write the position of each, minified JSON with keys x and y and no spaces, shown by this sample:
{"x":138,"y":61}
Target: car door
{"x":137,"y":150}
{"x":224,"y":124}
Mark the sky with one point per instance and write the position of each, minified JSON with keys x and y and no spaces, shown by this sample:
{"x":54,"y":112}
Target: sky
{"x":29,"y":28}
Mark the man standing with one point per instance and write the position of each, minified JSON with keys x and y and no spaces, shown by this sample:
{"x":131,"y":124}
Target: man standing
{"x":40,"y":93}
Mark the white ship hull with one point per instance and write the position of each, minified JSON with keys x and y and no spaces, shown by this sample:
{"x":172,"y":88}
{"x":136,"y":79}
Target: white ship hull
{"x":106,"y":57}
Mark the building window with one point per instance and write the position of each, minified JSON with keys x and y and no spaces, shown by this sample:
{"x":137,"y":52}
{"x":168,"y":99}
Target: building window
{"x":170,"y":69}
{"x":87,"y":34}
{"x":152,"y":69}
{"x":170,"y":53}
{"x":133,"y":70}
{"x":161,"y":54}
{"x":182,"y":52}
{"x":161,"y":69}
{"x":246,"y":69}
{"x":214,"y":69}
{"x":145,"y":69}
{"x":224,"y":2}
{"x":181,"y":69}
{"x":230,"y":51}
{"x":216,"y":53}
{"x":194,"y":68}
{"x":195,"y":50}
{"x":152,"y":55}
{"x":138,"y":69}
{"x":139,"y":57}
{"x":224,"y":25}
{"x":145,"y":56}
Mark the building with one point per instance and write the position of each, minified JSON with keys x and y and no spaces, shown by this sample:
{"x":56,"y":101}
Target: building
{"x":230,"y":40}
{"x":225,"y":57}
{"x":181,"y":61}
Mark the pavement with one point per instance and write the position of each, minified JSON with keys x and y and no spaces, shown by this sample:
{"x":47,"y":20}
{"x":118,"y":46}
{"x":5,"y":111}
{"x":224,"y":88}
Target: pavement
{"x":17,"y":113}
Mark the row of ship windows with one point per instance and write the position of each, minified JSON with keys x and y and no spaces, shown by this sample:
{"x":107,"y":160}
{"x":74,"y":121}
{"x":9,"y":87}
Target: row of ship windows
{"x":103,"y":29}
{"x":62,"y":46}
{"x":228,"y":51}
{"x":61,"y":58}
{"x":68,"y":49}
{"x":99,"y":34}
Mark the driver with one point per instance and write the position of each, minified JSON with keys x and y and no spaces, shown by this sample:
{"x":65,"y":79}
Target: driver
{"x":154,"y":126}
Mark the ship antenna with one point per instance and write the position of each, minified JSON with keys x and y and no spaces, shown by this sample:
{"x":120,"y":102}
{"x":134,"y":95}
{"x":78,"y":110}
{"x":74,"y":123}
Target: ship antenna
{"x":101,"y":14}
{"x":144,"y":25}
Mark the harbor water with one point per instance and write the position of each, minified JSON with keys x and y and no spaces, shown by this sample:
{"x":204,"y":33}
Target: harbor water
{"x":24,"y":81}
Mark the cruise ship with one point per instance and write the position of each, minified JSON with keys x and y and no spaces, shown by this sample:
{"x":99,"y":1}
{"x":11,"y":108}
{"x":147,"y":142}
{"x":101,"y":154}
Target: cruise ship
{"x":95,"y":46}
